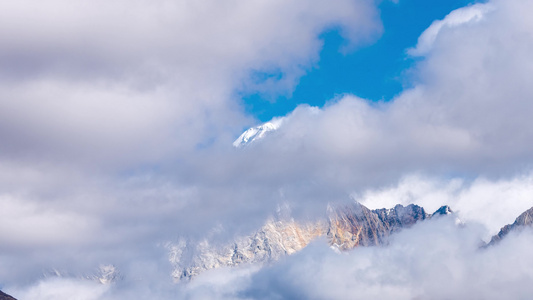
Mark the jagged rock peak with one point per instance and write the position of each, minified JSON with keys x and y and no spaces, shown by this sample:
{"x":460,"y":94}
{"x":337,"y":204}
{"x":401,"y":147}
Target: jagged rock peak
{"x":524,"y":220}
{"x":355,"y":225}
{"x":443,"y":210}
{"x":346,"y":227}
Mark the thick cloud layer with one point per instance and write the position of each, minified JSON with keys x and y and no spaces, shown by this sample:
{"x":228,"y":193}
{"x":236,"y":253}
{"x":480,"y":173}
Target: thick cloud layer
{"x":434,"y":260}
{"x":108,"y":111}
{"x":491,"y":203}
{"x":119,"y":81}
{"x":468,"y":114}
{"x":116,"y":138}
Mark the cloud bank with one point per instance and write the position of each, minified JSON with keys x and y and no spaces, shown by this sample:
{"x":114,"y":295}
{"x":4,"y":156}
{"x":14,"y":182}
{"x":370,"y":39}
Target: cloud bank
{"x":90,"y":81}
{"x":434,"y":260}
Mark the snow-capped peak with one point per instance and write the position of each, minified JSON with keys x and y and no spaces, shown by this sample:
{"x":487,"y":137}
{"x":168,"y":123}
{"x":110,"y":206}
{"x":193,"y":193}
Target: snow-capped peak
{"x":256,"y":133}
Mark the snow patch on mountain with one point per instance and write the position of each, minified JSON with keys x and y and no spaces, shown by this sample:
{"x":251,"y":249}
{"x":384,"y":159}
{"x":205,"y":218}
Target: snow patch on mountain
{"x":256,"y":133}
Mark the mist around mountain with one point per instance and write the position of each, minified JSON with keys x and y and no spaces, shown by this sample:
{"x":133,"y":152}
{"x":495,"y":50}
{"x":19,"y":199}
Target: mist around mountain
{"x":346,"y":251}
{"x":439,"y":242}
{"x":522,"y":222}
{"x":344,"y":228}
{"x":119,"y":178}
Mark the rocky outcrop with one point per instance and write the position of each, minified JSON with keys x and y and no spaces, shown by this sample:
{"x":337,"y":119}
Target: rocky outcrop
{"x":524,"y":220}
{"x":4,"y":296}
{"x":443,"y":210}
{"x":355,"y":225}
{"x":274,"y":240}
{"x":346,"y":227}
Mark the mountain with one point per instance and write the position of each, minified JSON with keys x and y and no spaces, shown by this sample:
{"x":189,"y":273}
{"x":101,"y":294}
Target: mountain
{"x":256,"y":133}
{"x":104,"y":274}
{"x":443,"y":210}
{"x":274,"y":240}
{"x":345,"y":227}
{"x":355,"y":225}
{"x":523,"y":221}
{"x":4,"y":296}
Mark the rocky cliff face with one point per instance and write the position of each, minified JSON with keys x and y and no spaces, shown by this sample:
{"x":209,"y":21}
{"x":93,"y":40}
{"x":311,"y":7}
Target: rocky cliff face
{"x":346,"y":227}
{"x":275,"y":239}
{"x":4,"y":296}
{"x":355,"y":225}
{"x":524,"y":220}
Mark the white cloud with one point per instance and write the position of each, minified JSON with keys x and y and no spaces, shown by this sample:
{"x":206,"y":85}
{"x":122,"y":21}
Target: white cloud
{"x":468,"y":113}
{"x":458,"y":17}
{"x":98,"y":80}
{"x":116,"y":122}
{"x":488,"y":202}
{"x":26,"y":224}
{"x":62,"y":289}
{"x":434,"y":260}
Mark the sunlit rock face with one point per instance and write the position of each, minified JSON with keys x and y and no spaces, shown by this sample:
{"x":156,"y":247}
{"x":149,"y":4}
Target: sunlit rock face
{"x":346,"y":227}
{"x":274,"y":240}
{"x":523,"y":221}
{"x":355,"y":225}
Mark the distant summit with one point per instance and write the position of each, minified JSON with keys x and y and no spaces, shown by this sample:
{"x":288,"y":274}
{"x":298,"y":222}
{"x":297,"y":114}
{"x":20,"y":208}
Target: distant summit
{"x":443,"y":210}
{"x":523,"y":221}
{"x":256,"y":133}
{"x":345,"y":227}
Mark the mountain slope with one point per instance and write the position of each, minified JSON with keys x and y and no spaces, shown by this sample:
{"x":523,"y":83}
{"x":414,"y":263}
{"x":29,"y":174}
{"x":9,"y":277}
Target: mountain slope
{"x":346,"y":227}
{"x":257,"y":133}
{"x":274,"y":240}
{"x":524,"y":220}
{"x":355,"y":225}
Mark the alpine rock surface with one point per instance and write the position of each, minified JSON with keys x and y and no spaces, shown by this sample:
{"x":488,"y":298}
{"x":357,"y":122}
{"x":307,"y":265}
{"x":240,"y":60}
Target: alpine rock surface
{"x":523,"y":221}
{"x":345,"y":227}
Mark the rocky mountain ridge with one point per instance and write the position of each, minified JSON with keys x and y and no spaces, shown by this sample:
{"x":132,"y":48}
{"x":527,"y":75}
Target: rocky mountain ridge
{"x":523,"y":221}
{"x":346,"y":227}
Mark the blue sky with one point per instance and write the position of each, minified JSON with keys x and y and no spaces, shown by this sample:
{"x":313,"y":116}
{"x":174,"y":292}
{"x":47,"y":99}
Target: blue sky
{"x":375,"y":72}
